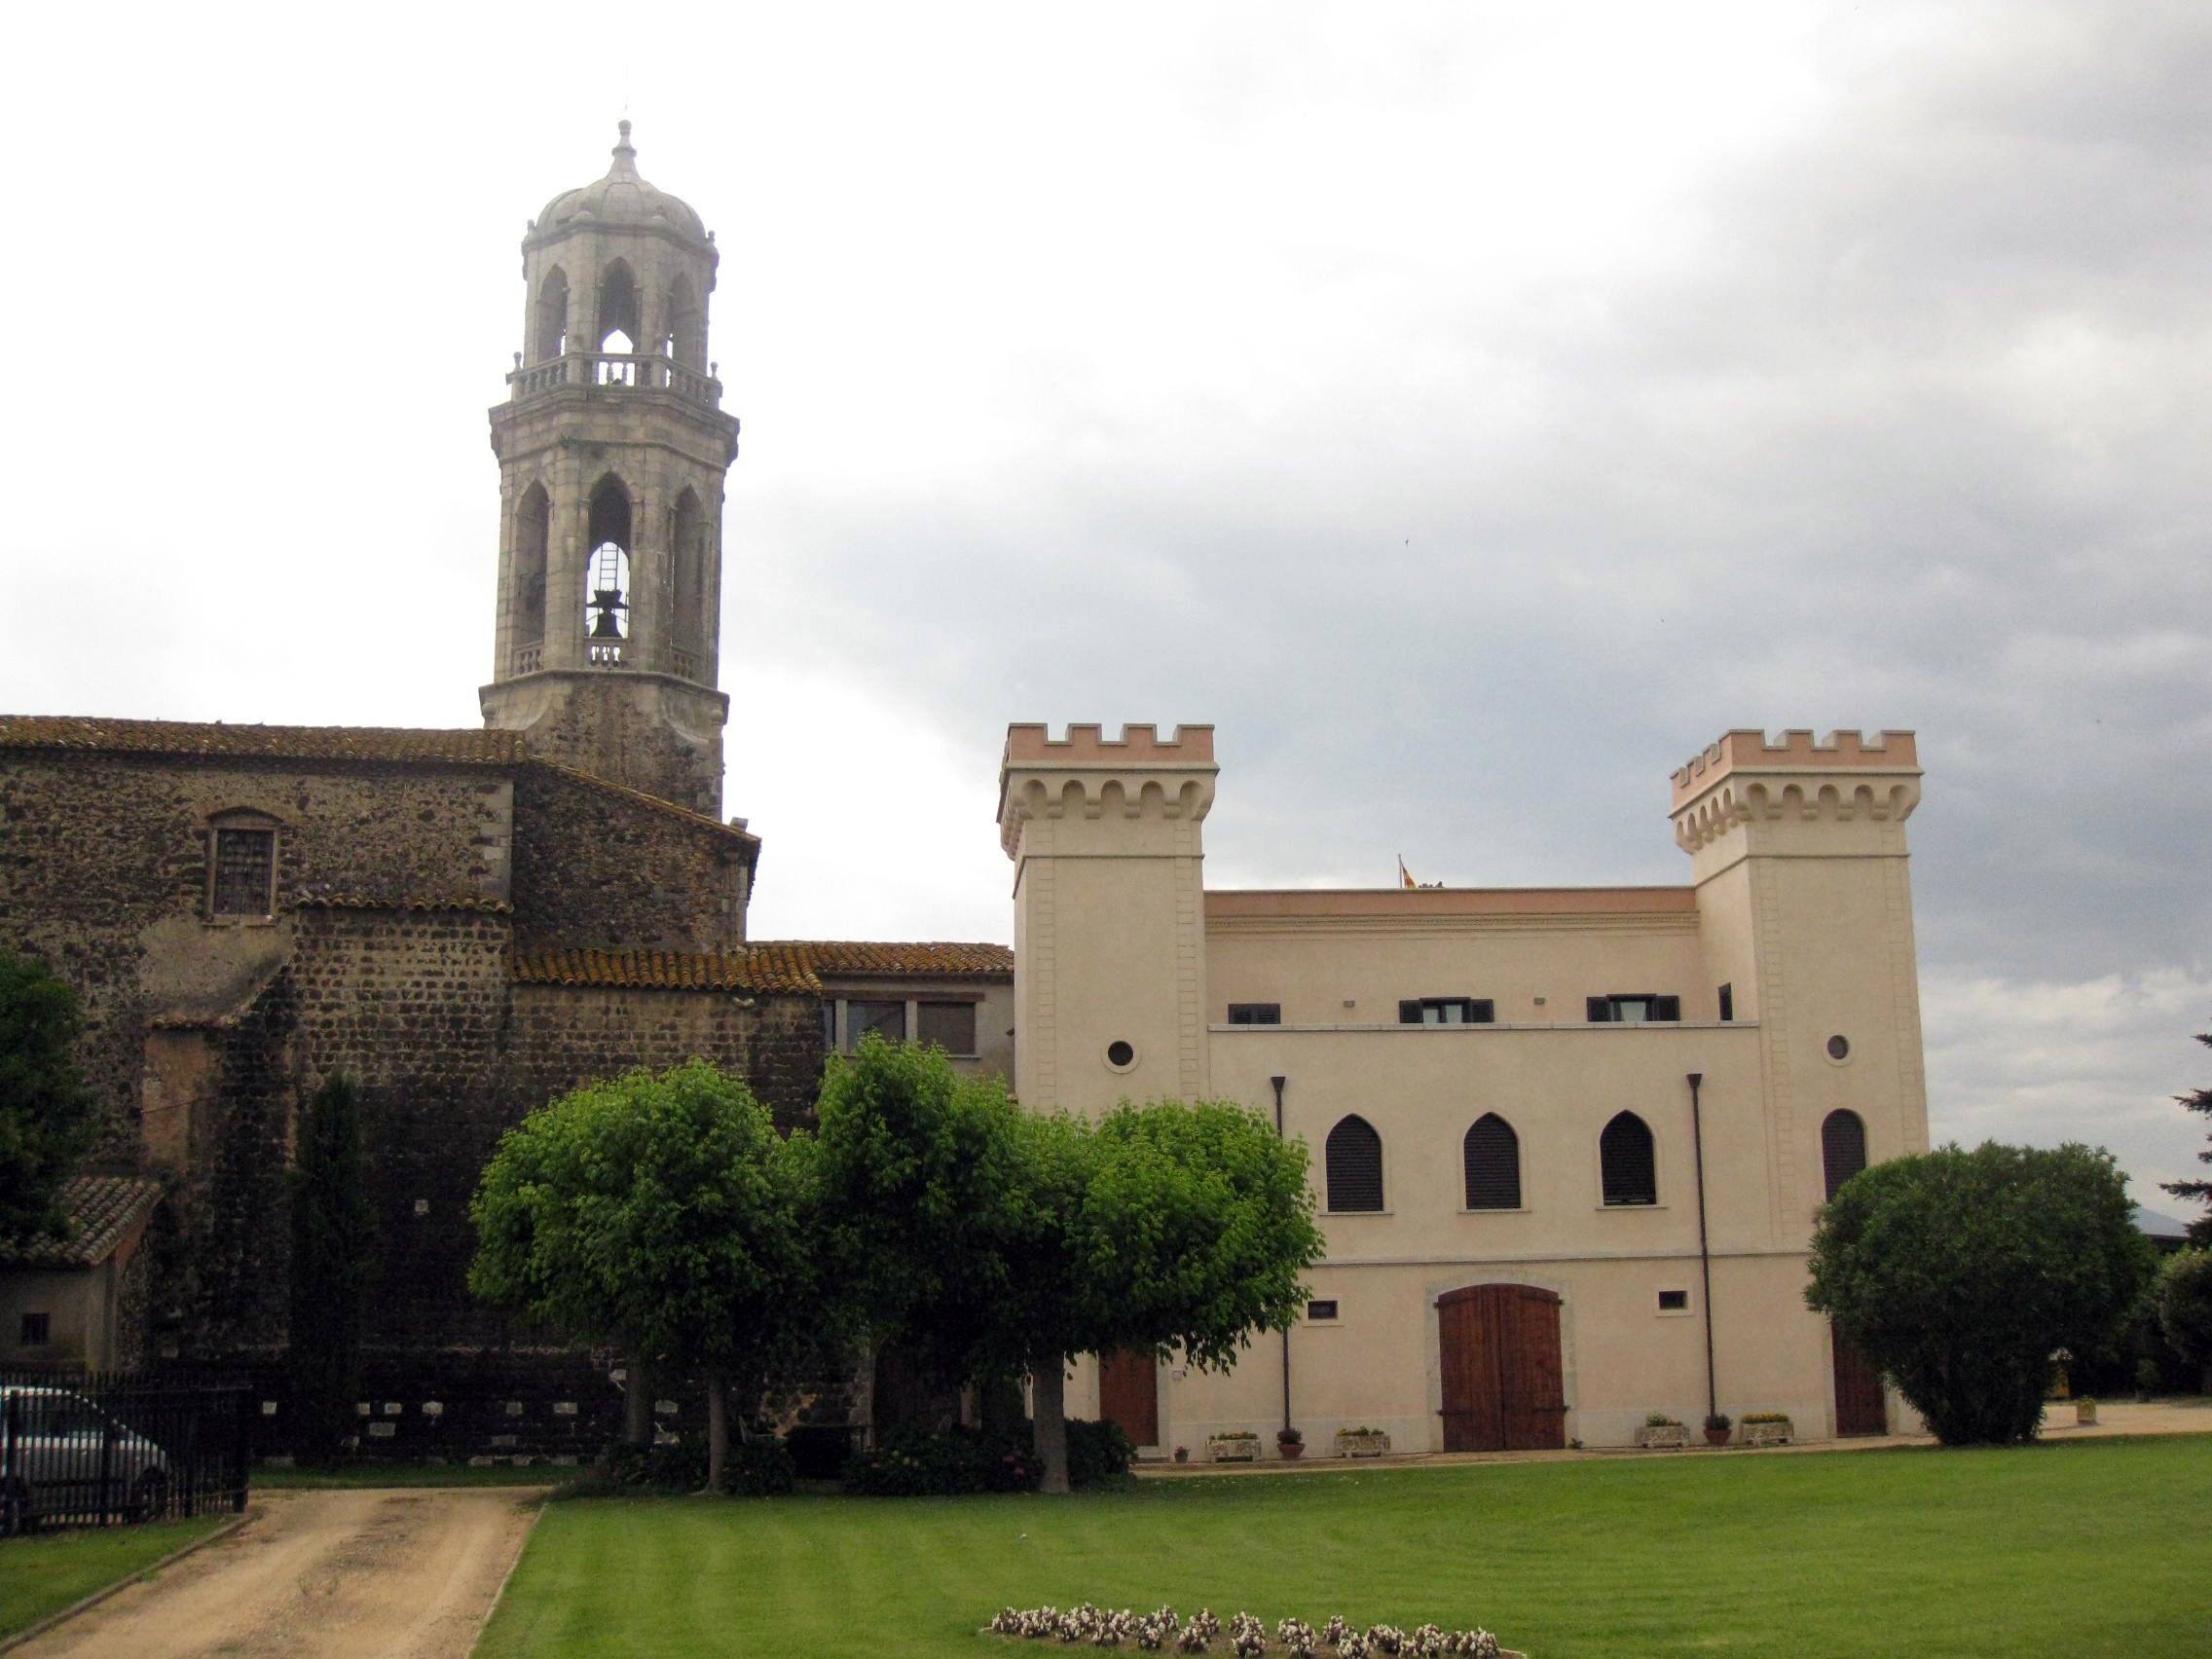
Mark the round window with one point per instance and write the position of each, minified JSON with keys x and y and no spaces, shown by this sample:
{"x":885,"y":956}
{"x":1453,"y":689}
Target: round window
{"x":1839,"y":1048}
{"x":1121,"y":1055}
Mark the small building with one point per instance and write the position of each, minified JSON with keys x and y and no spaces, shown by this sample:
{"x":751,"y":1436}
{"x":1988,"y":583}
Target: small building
{"x":76,"y":1298}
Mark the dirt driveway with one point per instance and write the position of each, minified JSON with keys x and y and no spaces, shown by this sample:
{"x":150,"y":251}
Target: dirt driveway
{"x":320,"y":1575}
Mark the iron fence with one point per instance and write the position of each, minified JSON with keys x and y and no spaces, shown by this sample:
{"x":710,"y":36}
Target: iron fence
{"x":90,"y":1448}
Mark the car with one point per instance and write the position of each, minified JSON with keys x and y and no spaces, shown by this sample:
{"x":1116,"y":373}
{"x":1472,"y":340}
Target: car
{"x":61,"y":1456}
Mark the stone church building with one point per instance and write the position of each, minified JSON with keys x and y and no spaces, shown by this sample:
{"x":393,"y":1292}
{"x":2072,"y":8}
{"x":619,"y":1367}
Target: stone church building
{"x":1569,"y":1144}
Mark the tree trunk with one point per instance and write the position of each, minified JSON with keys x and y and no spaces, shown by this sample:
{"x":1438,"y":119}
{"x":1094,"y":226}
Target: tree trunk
{"x":1051,"y":1417}
{"x":637,"y":1405}
{"x":717,"y":1432}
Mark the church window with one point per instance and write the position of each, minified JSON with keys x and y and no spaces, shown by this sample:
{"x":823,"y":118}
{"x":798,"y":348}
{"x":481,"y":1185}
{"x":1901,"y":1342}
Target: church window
{"x":618,"y":326}
{"x":242,"y":861}
{"x":946,"y":1025}
{"x":1628,"y":1162}
{"x":1354,"y":1159}
{"x":549,"y":325}
{"x":533,"y":518}
{"x":1639,"y":1009}
{"x":1492,"y":1158}
{"x":687,"y":536}
{"x":1255,"y":1013}
{"x":1843,"y":1147}
{"x":685,"y":343}
{"x":607,"y":575}
{"x":1447,"y":1011}
{"x":884,"y":1020}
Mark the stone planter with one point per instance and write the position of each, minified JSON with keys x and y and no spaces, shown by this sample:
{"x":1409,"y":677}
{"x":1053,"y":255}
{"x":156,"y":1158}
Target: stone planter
{"x":2085,"y":1414}
{"x":1767,"y":1433}
{"x":1372,"y":1442}
{"x":1674,"y":1437}
{"x":1233,"y":1449}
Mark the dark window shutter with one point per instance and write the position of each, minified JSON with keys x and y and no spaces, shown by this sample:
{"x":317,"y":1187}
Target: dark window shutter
{"x":1600,"y":1010}
{"x":1408,"y":1012}
{"x":1255,"y":1013}
{"x":1481,"y":1010}
{"x":1667,"y":1008}
{"x":1843,"y":1147}
{"x":1493,"y":1156}
{"x":1727,"y":1002}
{"x":1354,"y":1160}
{"x":1629,"y":1169}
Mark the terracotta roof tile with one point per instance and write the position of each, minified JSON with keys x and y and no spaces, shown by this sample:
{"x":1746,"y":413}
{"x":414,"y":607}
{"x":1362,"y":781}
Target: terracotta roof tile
{"x":581,"y":776}
{"x":374,"y":901}
{"x":873,"y":958}
{"x":102,"y":1209}
{"x":748,"y":968}
{"x":218,"y":739}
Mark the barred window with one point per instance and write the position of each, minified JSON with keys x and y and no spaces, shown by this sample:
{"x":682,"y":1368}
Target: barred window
{"x":1255,"y":1013}
{"x":1353,"y":1158}
{"x":244,"y":875}
{"x":1492,"y":1153}
{"x":1628,"y":1165}
{"x":1843,"y":1147}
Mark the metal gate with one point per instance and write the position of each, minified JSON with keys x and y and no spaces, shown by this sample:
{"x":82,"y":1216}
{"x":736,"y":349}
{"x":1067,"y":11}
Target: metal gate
{"x":84,"y":1449}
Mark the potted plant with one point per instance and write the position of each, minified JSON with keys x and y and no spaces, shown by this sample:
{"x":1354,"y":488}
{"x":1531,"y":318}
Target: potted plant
{"x":1660,"y":1430}
{"x":1182,"y":1454}
{"x":1291,"y":1443}
{"x":1362,"y":1442}
{"x":1716,"y":1427}
{"x":2086,"y":1411}
{"x":1767,"y":1428}
{"x":1238,"y":1446}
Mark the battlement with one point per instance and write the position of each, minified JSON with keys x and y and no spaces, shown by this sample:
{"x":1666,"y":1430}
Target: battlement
{"x":1138,"y":745}
{"x":1748,"y":750}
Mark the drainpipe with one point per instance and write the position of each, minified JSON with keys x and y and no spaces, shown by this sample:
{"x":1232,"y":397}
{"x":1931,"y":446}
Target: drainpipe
{"x":1278,"y":1082}
{"x":1704,"y":1250}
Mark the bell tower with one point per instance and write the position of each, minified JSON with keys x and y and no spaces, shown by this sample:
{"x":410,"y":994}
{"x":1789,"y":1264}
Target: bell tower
{"x":613,"y":449}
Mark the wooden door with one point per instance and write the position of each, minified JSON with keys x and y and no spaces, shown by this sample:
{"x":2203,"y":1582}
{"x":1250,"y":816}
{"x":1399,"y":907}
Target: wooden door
{"x":1128,"y":1394}
{"x":1498,"y":1348}
{"x":1860,"y":1407}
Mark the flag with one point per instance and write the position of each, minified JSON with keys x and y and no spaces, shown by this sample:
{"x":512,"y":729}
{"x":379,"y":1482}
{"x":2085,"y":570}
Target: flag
{"x":1405,"y":875}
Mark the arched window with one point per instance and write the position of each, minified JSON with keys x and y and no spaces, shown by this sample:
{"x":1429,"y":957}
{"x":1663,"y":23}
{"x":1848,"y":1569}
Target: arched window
{"x":1492,"y":1153}
{"x":607,"y":574}
{"x":1354,"y":1160}
{"x":618,"y":326}
{"x":549,"y":327}
{"x":1843,"y":1147}
{"x":1628,"y":1167}
{"x":687,"y":340}
{"x":687,"y":537}
{"x":533,"y":517}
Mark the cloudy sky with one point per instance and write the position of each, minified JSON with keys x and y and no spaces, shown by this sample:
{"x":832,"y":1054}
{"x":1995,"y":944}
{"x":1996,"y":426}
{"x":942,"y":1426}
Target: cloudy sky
{"x":1470,"y":409}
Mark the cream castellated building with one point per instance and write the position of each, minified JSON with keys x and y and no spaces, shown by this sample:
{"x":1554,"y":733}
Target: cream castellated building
{"x":1569,"y":1142}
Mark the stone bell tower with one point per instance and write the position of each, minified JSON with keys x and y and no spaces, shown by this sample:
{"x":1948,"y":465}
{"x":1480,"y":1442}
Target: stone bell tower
{"x":613,"y":449}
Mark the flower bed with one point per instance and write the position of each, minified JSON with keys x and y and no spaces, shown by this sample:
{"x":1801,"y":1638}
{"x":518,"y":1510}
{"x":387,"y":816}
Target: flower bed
{"x":1243,"y":1636}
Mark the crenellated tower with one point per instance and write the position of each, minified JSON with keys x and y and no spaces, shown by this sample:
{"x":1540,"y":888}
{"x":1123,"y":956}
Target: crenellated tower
{"x":1108,"y":862}
{"x":613,"y":450}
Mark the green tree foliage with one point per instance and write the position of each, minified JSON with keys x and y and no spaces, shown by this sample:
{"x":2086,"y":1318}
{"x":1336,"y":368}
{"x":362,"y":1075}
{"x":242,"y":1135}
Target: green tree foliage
{"x":1958,"y":1273}
{"x":1000,"y":1241}
{"x":2183,"y":1297}
{"x":2197,"y":1100}
{"x":661,"y":1215}
{"x":333,"y":1235}
{"x":45,"y":1113}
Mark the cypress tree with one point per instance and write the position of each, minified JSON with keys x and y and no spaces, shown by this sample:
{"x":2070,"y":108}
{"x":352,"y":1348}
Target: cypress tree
{"x":332,"y":1229}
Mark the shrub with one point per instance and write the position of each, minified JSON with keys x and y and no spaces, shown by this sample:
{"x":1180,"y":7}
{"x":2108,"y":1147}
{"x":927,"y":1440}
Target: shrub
{"x":677,"y":1465}
{"x":758,"y":1468}
{"x":1098,"y":1452}
{"x":916,"y":1462}
{"x":2184,"y":1306}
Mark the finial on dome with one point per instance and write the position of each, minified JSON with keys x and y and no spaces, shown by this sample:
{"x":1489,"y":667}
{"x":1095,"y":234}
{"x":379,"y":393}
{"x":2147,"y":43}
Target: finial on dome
{"x":625,"y":154}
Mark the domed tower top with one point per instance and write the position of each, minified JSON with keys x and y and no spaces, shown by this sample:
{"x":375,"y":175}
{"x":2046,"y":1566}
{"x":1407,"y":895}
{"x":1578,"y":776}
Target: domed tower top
{"x":624,"y":198}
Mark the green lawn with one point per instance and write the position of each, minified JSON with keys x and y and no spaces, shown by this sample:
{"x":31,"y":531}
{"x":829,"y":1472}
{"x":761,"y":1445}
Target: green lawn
{"x":42,"y":1572}
{"x":2085,"y":1550}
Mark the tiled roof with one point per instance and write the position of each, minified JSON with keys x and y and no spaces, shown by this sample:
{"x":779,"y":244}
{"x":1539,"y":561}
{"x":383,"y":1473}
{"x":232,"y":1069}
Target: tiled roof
{"x":466,"y":746}
{"x":856,"y":957}
{"x":102,"y":1209}
{"x":374,"y":901}
{"x":787,"y":967}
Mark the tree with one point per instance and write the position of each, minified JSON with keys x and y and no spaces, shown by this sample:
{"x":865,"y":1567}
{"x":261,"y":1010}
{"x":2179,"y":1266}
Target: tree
{"x":661,"y":1215}
{"x":2183,"y":1297}
{"x":333,"y":1229}
{"x":2197,"y":1100}
{"x":1960,"y":1273}
{"x":997,"y":1242}
{"x":45,"y":1113}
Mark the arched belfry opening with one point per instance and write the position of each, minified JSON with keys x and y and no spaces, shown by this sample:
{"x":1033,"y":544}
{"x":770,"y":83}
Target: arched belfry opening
{"x":534,"y":523}
{"x":613,"y":449}
{"x":607,"y":574}
{"x":549,"y":318}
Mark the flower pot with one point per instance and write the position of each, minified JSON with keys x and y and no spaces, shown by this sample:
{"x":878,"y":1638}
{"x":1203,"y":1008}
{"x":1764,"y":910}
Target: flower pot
{"x":1716,"y":1436}
{"x":1182,"y":1454}
{"x":1291,"y":1450}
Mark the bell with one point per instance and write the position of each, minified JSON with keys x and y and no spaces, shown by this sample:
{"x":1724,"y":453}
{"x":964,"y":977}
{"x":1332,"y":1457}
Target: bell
{"x":604,"y":602}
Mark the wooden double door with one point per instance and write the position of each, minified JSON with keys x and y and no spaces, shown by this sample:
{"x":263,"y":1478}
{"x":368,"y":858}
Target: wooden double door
{"x":1128,"y":1394}
{"x":1859,"y":1406}
{"x":1499,"y":1350}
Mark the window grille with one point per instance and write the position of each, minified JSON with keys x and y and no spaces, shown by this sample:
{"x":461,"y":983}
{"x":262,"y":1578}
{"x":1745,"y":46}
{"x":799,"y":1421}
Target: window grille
{"x":1843,"y":1147}
{"x":1255,"y":1013}
{"x":1628,"y":1165}
{"x":245,"y":866}
{"x":1492,"y":1157}
{"x":1354,"y":1159}
{"x":1321,"y":1311}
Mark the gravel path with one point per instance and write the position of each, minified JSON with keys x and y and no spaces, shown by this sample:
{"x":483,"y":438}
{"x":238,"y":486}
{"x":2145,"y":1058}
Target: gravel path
{"x":320,"y":1575}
